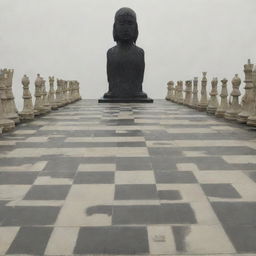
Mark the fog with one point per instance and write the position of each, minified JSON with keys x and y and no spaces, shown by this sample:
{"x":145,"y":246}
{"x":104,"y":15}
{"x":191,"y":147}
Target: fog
{"x":181,"y":38}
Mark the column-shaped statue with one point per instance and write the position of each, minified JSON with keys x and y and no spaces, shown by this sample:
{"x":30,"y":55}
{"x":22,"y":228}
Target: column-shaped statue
{"x":188,"y":93}
{"x":252,"y":118}
{"x":51,"y":94}
{"x":78,"y":91}
{"x":58,"y":94}
{"x":213,"y":101}
{"x":176,"y":92}
{"x":179,"y":96}
{"x":46,"y":105}
{"x":28,"y":112}
{"x":222,"y":108}
{"x":66,"y":92}
{"x":195,"y":100}
{"x":203,"y":103}
{"x":125,"y":61}
{"x":248,"y":99}
{"x":5,"y":124}
{"x":11,"y":110}
{"x":234,"y":108}
{"x":38,"y":106}
{"x":69,"y":92}
{"x":169,"y":90}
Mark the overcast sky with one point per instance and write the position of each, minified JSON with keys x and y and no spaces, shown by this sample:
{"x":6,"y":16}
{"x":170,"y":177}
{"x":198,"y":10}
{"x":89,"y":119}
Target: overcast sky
{"x":181,"y":38}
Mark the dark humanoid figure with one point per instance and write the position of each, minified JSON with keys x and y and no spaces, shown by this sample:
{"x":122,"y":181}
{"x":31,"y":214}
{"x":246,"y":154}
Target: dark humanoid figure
{"x":125,"y":61}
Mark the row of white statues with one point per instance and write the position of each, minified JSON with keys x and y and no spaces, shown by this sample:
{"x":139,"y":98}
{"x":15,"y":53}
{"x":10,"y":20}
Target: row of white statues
{"x":67,"y":92}
{"x":231,"y":109}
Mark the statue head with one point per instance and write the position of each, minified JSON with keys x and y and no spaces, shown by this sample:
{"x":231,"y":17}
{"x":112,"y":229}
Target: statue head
{"x":125,"y":27}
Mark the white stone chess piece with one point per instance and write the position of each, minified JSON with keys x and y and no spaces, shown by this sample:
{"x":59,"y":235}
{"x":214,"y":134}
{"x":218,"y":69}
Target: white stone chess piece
{"x":213,"y":101}
{"x":247,"y":106}
{"x":28,"y":112}
{"x":203,"y":103}
{"x":222,"y":108}
{"x":234,"y":108}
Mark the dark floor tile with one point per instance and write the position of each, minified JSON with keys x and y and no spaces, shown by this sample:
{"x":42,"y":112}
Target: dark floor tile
{"x":175,"y":177}
{"x":30,"y":240}
{"x":252,"y":175}
{"x":69,"y":164}
{"x":112,"y":240}
{"x":242,"y":237}
{"x":47,"y":192}
{"x":220,"y":190}
{"x":17,"y":178}
{"x":211,"y":163}
{"x":164,"y":151}
{"x":235,"y":213}
{"x":164,"y":163}
{"x":169,"y":195}
{"x":133,"y":163}
{"x":30,"y":215}
{"x":244,"y":167}
{"x":153,"y":214}
{"x":94,"y":178}
{"x":131,"y":144}
{"x":136,"y":192}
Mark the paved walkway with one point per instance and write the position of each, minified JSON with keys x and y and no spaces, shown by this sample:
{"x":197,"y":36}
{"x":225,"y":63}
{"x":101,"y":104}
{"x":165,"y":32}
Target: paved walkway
{"x":128,"y":179}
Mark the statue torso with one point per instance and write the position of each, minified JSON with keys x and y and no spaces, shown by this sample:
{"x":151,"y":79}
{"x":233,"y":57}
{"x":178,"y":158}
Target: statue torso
{"x":125,"y":68}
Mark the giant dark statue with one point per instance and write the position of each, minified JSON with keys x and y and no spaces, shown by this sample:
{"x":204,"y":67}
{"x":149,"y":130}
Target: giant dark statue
{"x":125,"y":61}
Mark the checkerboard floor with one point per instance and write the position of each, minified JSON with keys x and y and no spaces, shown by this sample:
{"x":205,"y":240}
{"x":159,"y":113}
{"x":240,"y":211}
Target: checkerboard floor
{"x":128,"y":179}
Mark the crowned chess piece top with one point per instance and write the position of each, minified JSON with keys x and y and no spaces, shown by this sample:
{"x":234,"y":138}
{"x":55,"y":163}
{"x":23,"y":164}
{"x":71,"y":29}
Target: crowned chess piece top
{"x":125,"y":61}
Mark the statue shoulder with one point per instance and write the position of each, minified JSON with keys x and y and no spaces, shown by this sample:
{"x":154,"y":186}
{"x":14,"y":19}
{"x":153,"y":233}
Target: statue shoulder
{"x":111,"y":50}
{"x":139,"y":50}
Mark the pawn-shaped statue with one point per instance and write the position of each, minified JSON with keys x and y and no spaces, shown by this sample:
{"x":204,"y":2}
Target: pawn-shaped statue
{"x":248,"y":99}
{"x":188,"y":93}
{"x":252,"y":118}
{"x":195,"y":100}
{"x":203,"y":103}
{"x":51,"y":94}
{"x":5,"y":124}
{"x":222,"y":108}
{"x":28,"y":112}
{"x":125,"y":61}
{"x":213,"y":101}
{"x":46,"y":105}
{"x":170,"y":89}
{"x":234,"y":108}
{"x":179,"y":97}
{"x":38,"y":106}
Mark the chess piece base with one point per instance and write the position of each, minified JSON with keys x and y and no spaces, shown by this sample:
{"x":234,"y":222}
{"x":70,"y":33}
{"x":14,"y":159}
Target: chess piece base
{"x":125,"y":100}
{"x":7,"y":124}
{"x":251,"y":120}
{"x":27,"y":115}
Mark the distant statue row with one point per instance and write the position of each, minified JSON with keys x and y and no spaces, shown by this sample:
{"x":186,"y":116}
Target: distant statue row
{"x":243,"y":112}
{"x":67,"y":92}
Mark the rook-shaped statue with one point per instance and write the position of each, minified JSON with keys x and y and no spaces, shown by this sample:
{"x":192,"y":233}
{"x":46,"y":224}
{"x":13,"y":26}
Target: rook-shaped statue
{"x":125,"y":61}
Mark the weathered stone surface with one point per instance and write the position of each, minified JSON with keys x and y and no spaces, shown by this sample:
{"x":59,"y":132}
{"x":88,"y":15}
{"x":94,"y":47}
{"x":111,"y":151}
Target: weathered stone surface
{"x":28,"y":112}
{"x":247,"y":105}
{"x":222,"y":108}
{"x":234,"y":108}
{"x":203,"y":103}
{"x":213,"y":101}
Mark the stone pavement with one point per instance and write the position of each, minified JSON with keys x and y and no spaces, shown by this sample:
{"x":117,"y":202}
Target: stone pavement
{"x":152,"y":179}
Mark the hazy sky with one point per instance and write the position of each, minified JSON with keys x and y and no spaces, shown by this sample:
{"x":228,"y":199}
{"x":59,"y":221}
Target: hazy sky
{"x":181,"y":38}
